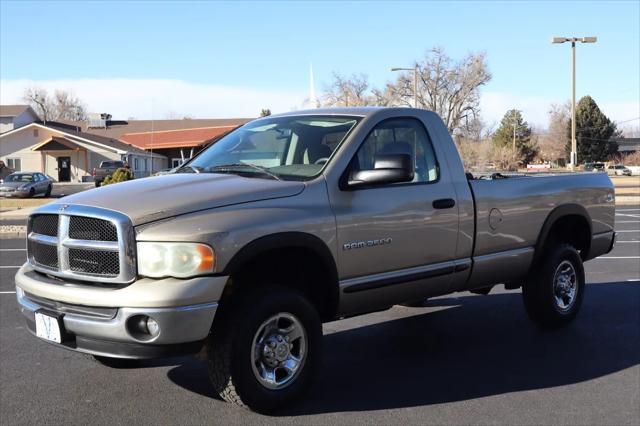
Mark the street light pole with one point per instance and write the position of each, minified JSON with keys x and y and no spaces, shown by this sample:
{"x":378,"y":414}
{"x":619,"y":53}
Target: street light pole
{"x":574,"y":143}
{"x":415,"y":82}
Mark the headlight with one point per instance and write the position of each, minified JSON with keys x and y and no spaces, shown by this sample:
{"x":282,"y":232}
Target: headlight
{"x":179,"y":260}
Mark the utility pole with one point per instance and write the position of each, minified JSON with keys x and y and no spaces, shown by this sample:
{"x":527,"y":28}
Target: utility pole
{"x":415,"y":82}
{"x":574,"y":144}
{"x":515,"y":123}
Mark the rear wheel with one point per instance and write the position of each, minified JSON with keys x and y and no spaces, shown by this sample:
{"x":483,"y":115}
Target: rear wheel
{"x":266,"y":349}
{"x":97,"y":184}
{"x":553,"y":293}
{"x":48,"y":193}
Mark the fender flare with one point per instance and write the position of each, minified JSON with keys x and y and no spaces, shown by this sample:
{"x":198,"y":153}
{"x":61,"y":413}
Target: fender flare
{"x":288,"y":240}
{"x":557,"y":214}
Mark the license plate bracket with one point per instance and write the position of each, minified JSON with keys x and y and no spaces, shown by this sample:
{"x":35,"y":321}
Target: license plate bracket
{"x":49,"y":326}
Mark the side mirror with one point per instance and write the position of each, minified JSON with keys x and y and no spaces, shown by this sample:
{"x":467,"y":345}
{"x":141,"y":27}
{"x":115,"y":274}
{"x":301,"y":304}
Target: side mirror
{"x":387,"y":169}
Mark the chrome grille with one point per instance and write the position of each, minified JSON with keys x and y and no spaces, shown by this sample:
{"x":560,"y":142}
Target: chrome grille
{"x":88,"y":228}
{"x":45,"y":224}
{"x":88,"y":243}
{"x":94,"y":262}
{"x":43,"y":254}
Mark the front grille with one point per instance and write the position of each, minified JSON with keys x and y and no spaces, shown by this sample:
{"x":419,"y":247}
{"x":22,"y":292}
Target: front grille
{"x":88,"y":228}
{"x":94,"y":262}
{"x":82,"y":243}
{"x":44,"y":254}
{"x":45,"y":224}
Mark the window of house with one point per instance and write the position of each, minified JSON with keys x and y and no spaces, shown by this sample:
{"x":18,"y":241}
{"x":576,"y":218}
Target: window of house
{"x":400,"y":136}
{"x":144,"y":165}
{"x":14,"y":164}
{"x":136,"y":165}
{"x":175,"y":162}
{"x":35,"y":133}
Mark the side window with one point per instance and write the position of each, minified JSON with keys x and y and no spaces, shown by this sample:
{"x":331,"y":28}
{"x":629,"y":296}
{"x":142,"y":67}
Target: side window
{"x":399,"y":136}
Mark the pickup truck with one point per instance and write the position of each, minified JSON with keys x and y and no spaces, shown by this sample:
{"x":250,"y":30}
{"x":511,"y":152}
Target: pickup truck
{"x":295,"y":220}
{"x":105,"y":169}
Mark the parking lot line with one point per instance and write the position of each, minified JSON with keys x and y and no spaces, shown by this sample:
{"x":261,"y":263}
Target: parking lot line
{"x":618,"y":257}
{"x":10,"y":267}
{"x":630,"y":230}
{"x":7,"y":292}
{"x":627,"y":210}
{"x":13,"y":249}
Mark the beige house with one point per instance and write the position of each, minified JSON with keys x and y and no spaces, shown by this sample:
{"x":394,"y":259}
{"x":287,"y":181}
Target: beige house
{"x":67,"y":155}
{"x":14,"y":116}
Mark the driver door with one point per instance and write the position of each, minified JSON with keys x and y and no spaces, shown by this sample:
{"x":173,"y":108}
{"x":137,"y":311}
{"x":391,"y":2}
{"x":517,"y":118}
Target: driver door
{"x":393,"y":242}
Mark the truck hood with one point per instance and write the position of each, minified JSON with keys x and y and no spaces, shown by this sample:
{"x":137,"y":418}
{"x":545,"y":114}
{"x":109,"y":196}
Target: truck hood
{"x":149,"y":199}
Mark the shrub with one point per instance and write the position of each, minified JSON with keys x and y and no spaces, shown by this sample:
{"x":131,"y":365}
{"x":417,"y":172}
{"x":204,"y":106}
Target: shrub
{"x":120,"y":175}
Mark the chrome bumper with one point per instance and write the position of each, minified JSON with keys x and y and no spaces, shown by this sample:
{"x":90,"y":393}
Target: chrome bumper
{"x":107,"y":331}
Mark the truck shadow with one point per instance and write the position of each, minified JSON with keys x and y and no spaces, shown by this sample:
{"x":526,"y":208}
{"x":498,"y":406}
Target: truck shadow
{"x":469,"y":347}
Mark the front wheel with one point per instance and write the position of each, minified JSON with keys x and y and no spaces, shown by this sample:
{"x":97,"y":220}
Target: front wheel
{"x":266,"y":349}
{"x":553,"y":294}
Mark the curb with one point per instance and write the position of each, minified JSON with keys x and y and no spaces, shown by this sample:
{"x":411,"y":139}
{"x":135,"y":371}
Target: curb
{"x":12,"y":235}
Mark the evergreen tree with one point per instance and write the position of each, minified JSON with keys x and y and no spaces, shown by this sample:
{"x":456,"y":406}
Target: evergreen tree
{"x":503,"y":137}
{"x":594,"y":131}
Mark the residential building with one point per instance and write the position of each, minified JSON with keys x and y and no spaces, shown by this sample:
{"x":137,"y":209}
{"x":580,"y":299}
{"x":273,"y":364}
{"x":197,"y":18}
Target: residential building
{"x":68,"y":155}
{"x":14,"y":116}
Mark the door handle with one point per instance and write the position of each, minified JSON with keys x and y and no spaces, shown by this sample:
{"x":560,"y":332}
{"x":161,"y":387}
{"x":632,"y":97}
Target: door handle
{"x":444,"y":203}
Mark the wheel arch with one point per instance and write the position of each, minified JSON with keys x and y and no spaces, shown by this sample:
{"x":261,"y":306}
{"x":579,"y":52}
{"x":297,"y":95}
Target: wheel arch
{"x":566,"y":224}
{"x":304,"y":249}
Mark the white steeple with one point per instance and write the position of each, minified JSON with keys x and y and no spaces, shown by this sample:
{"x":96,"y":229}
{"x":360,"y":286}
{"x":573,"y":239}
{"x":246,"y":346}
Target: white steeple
{"x":313,"y":101}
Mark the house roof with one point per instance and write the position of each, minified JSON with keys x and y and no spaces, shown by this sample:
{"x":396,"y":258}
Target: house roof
{"x":116,"y":128}
{"x":13,"y":110}
{"x":114,"y":144}
{"x":184,"y":138}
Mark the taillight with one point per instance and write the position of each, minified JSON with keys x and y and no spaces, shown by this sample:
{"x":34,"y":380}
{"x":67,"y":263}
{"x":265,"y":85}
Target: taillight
{"x":93,"y":172}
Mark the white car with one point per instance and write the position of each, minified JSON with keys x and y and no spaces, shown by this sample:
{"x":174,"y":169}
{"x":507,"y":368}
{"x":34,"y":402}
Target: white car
{"x":618,"y":170}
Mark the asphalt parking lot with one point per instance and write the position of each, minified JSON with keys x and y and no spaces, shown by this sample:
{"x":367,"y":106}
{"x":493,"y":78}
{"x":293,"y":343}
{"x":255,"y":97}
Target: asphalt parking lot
{"x":462,"y":359}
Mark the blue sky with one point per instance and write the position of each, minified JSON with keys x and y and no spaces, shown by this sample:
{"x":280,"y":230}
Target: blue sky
{"x":193,"y":57}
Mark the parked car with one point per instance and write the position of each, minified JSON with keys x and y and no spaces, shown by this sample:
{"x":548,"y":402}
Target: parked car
{"x":594,"y":167}
{"x":25,"y":184}
{"x":295,"y":220}
{"x":105,"y":169}
{"x":618,"y":170}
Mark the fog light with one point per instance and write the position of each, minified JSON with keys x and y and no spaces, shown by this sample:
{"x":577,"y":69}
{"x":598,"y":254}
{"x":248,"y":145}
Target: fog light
{"x":153,"y":327}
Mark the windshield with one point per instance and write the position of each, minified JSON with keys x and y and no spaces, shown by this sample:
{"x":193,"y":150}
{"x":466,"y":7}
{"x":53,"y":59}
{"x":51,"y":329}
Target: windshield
{"x":288,"y":148}
{"x":19,"y":178}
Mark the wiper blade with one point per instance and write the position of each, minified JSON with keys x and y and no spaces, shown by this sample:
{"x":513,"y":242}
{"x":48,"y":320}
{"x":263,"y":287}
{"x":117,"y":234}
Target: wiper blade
{"x":232,"y":166}
{"x":188,"y":168}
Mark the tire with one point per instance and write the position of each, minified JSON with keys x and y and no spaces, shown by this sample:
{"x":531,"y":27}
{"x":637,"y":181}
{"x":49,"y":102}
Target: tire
{"x":48,"y":193}
{"x":554,"y":291}
{"x":97,"y":184}
{"x":32,"y":192}
{"x":118,"y":363}
{"x":231,"y":355}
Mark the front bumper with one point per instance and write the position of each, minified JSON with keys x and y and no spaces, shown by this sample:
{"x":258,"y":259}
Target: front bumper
{"x":99,"y":326}
{"x":14,"y":194}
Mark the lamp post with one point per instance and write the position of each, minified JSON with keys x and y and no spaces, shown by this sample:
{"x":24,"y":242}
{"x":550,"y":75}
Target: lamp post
{"x":557,"y":40}
{"x":415,"y":82}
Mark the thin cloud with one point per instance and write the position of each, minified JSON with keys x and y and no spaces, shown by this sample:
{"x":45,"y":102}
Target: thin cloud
{"x":164,"y":98}
{"x":158,"y":98}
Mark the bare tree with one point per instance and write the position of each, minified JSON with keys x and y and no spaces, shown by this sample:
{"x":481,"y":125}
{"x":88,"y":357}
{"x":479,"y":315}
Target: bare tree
{"x":447,"y":87}
{"x":68,"y":106}
{"x":552,"y":144}
{"x":348,"y":91}
{"x":40,"y":101}
{"x":63,"y":105}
